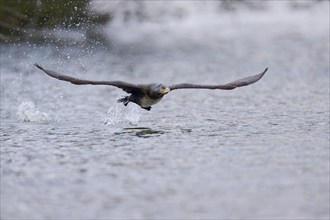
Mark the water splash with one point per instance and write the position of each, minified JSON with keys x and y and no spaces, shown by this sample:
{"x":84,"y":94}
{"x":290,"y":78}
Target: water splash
{"x":120,"y":114}
{"x":27,"y":112}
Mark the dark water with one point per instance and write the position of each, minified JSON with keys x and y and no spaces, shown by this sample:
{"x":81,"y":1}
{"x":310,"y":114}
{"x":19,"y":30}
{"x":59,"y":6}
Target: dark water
{"x":256,"y":152}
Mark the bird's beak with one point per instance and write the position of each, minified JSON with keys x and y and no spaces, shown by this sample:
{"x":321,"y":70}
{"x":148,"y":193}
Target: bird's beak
{"x":166,"y":90}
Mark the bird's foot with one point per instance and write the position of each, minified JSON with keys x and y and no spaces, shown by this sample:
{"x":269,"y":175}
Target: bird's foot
{"x":124,"y":100}
{"x":147,"y":108}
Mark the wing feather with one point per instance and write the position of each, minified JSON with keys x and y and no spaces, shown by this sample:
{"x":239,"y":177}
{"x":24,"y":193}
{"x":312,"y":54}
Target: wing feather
{"x":127,"y":87}
{"x":232,"y":85}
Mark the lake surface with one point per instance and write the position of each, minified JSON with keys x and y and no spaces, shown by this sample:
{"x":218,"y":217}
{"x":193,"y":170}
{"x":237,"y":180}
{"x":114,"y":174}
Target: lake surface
{"x":262,"y":151}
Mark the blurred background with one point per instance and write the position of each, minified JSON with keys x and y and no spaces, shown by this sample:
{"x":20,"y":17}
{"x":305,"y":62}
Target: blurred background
{"x":40,"y":20}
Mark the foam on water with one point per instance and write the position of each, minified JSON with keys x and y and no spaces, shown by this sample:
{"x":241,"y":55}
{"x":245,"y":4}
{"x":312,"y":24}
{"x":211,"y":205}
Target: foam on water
{"x":27,"y":112}
{"x":120,"y":114}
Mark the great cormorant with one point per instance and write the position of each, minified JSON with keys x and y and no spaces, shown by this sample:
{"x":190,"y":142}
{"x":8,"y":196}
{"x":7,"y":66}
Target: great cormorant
{"x":146,"y":95}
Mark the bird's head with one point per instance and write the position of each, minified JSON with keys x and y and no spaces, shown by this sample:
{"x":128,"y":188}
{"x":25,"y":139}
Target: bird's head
{"x":164,"y":89}
{"x":159,"y":90}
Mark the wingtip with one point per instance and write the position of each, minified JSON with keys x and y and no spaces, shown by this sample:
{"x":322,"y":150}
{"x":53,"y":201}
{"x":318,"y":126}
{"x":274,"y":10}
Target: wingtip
{"x":38,"y":66}
{"x":263,"y":73}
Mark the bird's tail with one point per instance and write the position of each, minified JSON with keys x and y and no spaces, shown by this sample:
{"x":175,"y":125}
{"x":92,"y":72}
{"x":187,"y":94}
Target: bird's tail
{"x":125,"y":100}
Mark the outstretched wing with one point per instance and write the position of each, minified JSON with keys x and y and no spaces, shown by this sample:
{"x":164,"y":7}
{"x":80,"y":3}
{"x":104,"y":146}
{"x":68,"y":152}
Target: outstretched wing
{"x":232,"y":85}
{"x":127,"y":87}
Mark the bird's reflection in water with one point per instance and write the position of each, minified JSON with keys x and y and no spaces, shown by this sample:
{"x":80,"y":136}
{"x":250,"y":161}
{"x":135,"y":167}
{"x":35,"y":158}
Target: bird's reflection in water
{"x":143,"y":132}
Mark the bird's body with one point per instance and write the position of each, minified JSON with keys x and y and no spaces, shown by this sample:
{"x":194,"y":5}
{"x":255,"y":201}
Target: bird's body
{"x":146,"y":95}
{"x":147,"y":101}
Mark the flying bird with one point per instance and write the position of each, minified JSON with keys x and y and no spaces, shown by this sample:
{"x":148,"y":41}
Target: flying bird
{"x":146,"y":95}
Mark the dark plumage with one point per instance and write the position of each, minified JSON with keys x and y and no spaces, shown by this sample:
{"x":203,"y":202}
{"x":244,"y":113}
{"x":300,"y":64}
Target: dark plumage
{"x":146,"y":95}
